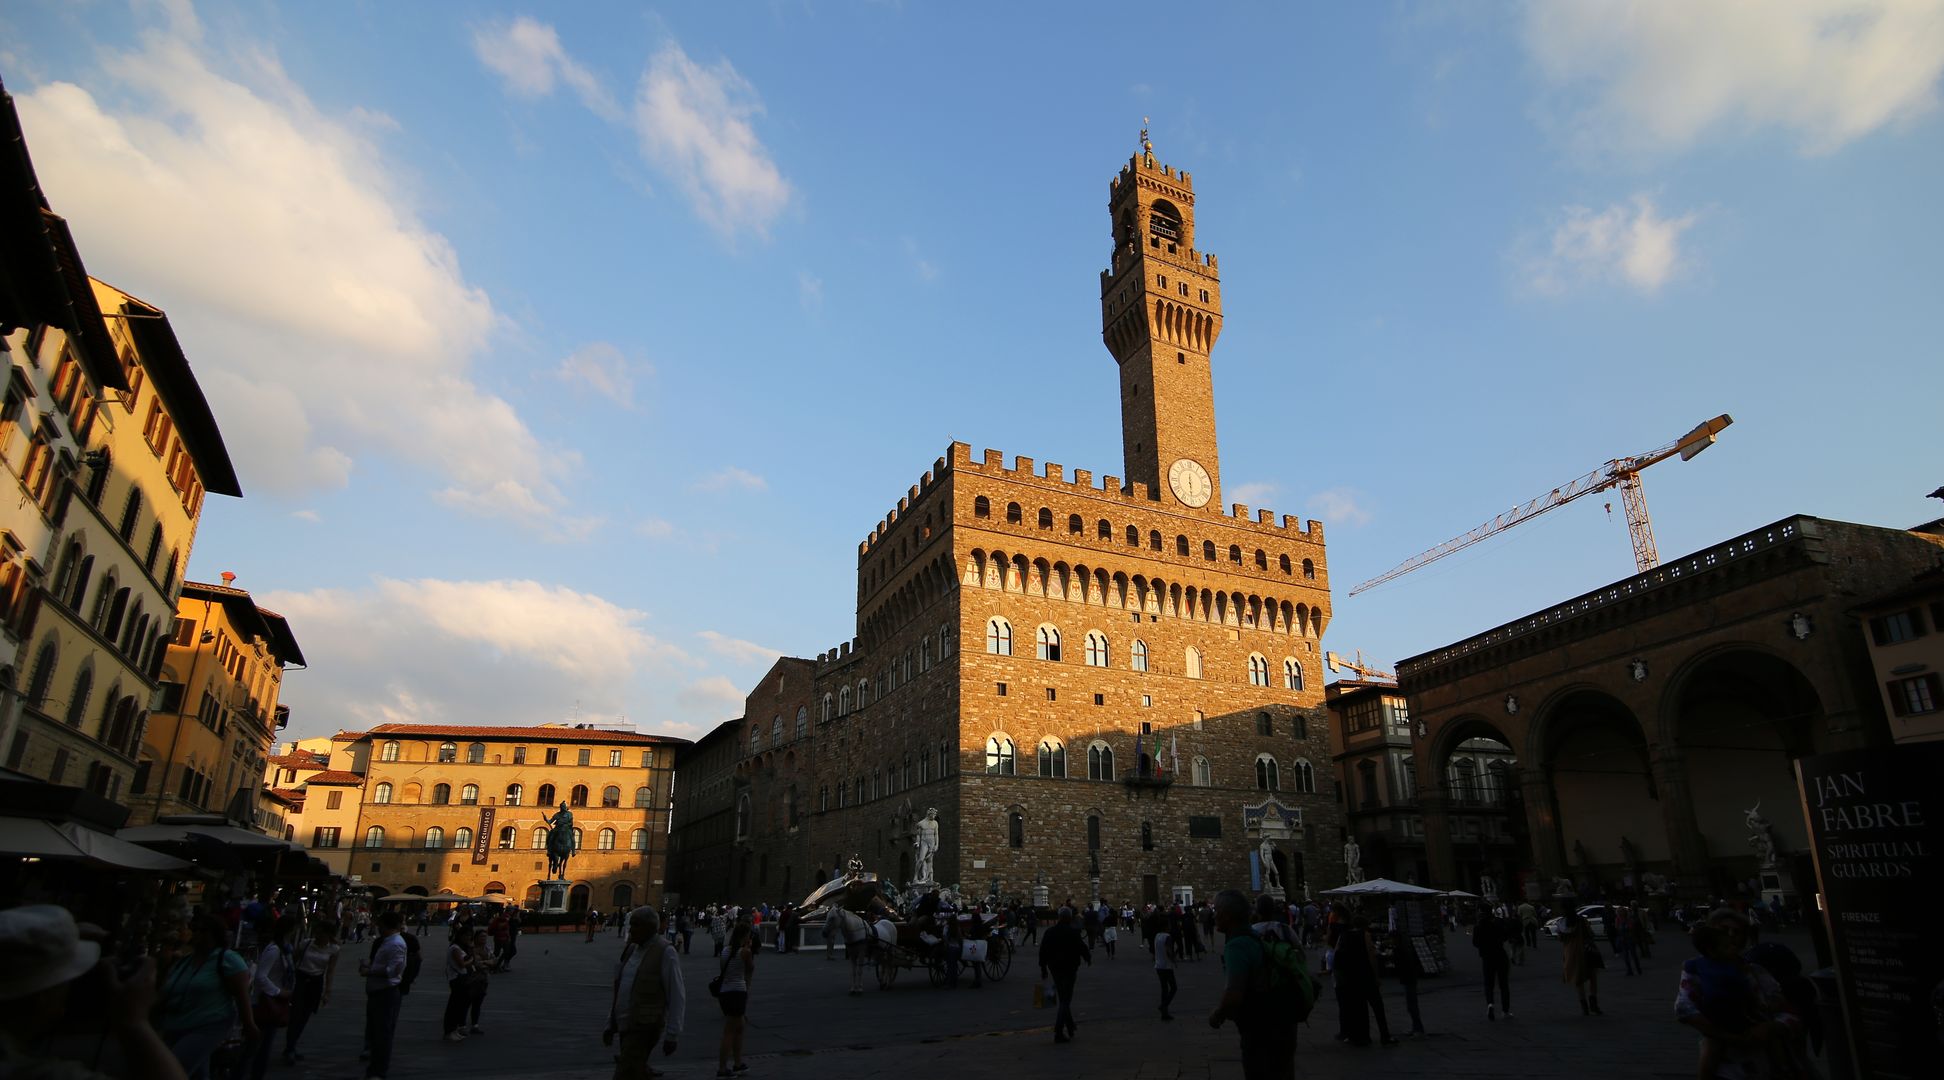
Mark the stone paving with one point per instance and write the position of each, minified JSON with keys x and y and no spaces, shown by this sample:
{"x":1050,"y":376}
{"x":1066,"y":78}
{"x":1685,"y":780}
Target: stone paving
{"x":545,"y":1017}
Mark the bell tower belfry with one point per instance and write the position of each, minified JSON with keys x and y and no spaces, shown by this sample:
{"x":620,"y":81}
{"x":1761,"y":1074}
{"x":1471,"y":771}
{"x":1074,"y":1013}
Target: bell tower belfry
{"x":1160,"y":313}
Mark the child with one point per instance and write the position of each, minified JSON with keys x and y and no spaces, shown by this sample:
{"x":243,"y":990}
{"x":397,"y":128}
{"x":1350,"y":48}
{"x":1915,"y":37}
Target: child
{"x":1722,"y":998}
{"x":1164,"y":970}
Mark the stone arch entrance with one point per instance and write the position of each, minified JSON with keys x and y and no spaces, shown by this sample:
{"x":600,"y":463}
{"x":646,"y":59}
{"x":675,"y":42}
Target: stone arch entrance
{"x":1594,"y":754}
{"x":1473,"y":772}
{"x":1736,"y":719}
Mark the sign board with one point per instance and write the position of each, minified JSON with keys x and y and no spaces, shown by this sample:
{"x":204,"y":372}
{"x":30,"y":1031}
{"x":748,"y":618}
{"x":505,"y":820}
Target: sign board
{"x":483,"y":839}
{"x":1876,"y":819}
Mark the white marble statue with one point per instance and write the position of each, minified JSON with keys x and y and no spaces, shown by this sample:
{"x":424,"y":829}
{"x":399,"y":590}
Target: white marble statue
{"x":925,"y":839}
{"x":1488,"y":886}
{"x":1761,"y":836}
{"x":1271,"y":880}
{"x":1352,"y":862}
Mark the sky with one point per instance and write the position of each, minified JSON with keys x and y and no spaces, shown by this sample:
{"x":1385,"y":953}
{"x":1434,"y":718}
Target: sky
{"x":567,"y":352}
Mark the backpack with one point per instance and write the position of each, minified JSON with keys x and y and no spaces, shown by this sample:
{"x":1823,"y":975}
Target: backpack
{"x":1289,"y":976}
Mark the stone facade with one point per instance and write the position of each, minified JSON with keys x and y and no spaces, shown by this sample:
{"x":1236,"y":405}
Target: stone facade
{"x":1650,"y":715}
{"x":1163,"y":650}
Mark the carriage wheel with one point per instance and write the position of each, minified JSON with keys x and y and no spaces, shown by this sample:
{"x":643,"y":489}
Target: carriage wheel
{"x":935,"y":967}
{"x":998,"y":959}
{"x":887,"y":970}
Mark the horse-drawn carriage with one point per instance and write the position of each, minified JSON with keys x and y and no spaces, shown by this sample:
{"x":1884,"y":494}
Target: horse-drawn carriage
{"x":861,"y":912}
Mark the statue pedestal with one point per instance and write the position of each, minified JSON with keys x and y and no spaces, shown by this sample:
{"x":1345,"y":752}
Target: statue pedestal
{"x":1777,"y":882}
{"x":553,"y":896}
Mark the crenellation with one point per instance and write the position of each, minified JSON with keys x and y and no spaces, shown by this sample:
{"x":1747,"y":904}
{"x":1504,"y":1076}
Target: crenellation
{"x":1083,"y":478}
{"x":1239,"y":511}
{"x":1023,"y":464}
{"x":1110,"y":485}
{"x":1053,"y":473}
{"x":1265,"y":517}
{"x":995,"y":460}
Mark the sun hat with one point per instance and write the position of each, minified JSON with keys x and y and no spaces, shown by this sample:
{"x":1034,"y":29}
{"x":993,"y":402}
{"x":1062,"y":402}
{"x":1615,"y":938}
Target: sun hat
{"x":40,"y":947}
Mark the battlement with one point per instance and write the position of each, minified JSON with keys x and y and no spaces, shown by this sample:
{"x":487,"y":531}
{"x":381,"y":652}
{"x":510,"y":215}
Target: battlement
{"x":841,"y":656}
{"x":1204,"y":260}
{"x":1140,"y":163}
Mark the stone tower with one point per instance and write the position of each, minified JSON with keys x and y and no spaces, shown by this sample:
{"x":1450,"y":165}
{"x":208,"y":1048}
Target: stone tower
{"x":1160,"y":313}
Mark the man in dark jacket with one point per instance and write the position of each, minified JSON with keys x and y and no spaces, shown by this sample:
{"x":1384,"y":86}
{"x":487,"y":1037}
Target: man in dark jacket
{"x":1061,"y":951}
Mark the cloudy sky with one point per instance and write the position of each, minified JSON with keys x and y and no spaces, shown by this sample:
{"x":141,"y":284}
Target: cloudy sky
{"x":566,"y":352}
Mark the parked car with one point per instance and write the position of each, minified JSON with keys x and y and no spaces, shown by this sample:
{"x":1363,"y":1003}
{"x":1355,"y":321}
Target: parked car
{"x":1591,"y":913}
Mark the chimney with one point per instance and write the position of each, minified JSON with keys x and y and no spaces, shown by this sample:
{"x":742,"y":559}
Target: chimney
{"x":229,"y":577}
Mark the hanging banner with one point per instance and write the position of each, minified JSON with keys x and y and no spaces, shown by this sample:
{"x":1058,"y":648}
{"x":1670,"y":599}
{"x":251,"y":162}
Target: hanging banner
{"x":1876,"y":818}
{"x":483,"y":839}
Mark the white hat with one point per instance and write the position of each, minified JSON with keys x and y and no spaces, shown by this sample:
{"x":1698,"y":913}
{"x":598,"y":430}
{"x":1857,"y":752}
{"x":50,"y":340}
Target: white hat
{"x":41,"y":948}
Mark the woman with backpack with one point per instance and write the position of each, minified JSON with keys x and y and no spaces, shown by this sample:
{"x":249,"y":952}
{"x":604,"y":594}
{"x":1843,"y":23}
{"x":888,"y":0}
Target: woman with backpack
{"x":738,"y":967}
{"x":204,"y":994}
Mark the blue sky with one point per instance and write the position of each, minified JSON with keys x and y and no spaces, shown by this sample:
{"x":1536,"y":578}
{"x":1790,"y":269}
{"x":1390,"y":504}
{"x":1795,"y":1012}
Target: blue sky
{"x":567,"y":352}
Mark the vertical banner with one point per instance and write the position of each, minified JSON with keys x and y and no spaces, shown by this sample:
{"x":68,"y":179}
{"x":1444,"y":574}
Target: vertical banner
{"x":1874,"y":818}
{"x":483,"y":839}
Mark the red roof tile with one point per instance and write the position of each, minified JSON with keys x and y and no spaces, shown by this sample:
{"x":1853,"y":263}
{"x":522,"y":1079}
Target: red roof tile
{"x":300,"y":760}
{"x":288,"y":795}
{"x":336,"y":778}
{"x":532,"y":734}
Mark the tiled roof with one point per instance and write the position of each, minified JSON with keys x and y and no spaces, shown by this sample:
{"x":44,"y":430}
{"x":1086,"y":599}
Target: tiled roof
{"x":348,"y":736}
{"x":289,"y":795}
{"x":300,"y":760}
{"x":531,"y":734}
{"x":336,"y":777}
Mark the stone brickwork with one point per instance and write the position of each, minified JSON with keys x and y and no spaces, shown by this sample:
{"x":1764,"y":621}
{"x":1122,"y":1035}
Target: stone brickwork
{"x":911,"y":714}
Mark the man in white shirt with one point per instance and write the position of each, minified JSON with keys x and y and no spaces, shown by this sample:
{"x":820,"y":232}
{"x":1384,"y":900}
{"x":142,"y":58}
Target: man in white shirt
{"x":649,"y":1003}
{"x":383,"y":973}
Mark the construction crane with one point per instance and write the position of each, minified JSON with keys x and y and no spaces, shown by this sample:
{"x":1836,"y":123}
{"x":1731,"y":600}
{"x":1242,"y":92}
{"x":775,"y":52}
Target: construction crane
{"x":1338,"y":663}
{"x":1622,"y":473}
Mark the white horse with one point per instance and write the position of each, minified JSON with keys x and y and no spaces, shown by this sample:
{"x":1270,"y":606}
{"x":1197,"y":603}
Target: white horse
{"x":861,"y":938}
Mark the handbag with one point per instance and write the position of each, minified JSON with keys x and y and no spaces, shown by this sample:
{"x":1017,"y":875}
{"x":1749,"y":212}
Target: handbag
{"x":715,"y":984}
{"x":275,"y":1011}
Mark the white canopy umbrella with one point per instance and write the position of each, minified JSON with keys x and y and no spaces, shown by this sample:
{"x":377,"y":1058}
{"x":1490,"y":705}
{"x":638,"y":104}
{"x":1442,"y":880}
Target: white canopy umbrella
{"x":1460,"y":894}
{"x":1381,"y":887}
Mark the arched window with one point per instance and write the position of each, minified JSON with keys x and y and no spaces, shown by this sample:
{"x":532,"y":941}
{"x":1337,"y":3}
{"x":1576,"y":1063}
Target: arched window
{"x":998,"y":636}
{"x":1265,"y":725}
{"x":1100,"y":761}
{"x":610,"y":796}
{"x":1309,"y":569}
{"x":1147,"y":836}
{"x":1464,"y":781}
{"x":1181,"y":546}
{"x":1305,"y":777}
{"x":469,"y":795}
{"x":1013,"y":514}
{"x":131,"y":514}
{"x":1193,"y":664}
{"x":643,"y":797}
{"x":539,"y":838}
{"x":1154,"y":540}
{"x":448,"y":751}
{"x":1049,"y":643}
{"x":1016,"y":829}
{"x":1052,"y":759}
{"x":545,"y":796}
{"x":77,"y":706}
{"x":828,"y":709}
{"x":462,"y":837}
{"x":389,"y":752}
{"x":1258,"y":670}
{"x":999,"y":756}
{"x":1093,"y":832}
{"x":441,"y":794}
{"x":381,"y":794}
{"x":1283,"y":562}
{"x":755,"y":737}
{"x":1045,"y":518}
{"x":513,"y":793}
{"x":1139,"y":654}
{"x":1133,"y":536}
{"x":982,"y":507}
{"x":1208,"y":550}
{"x":476,"y":753}
{"x":605,"y":840}
{"x":1267,"y":778}
{"x":1261,"y":560}
{"x":41,"y":683}
{"x":843,"y":701}
{"x":1075,"y":525}
{"x":742,"y":814}
{"x":435,"y":837}
{"x":579,"y":796}
{"x":508,"y":836}
{"x":375,"y":836}
{"x":802,"y":721}
{"x":1202,"y":777}
{"x":639,"y":841}
{"x":1292,"y":674}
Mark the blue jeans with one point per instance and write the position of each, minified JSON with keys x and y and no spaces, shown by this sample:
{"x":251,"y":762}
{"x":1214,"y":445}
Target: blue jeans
{"x":381,"y":1023}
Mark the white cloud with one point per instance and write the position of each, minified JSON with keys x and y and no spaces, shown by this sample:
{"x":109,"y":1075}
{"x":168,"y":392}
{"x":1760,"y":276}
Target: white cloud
{"x":655,"y":529}
{"x":322,"y":315}
{"x":1630,"y":243}
{"x":494,"y":652}
{"x":1339,"y":506}
{"x":1256,"y":494}
{"x":729,"y":476}
{"x":747,"y":652}
{"x":527,"y":56}
{"x":923,"y":267}
{"x":694,"y":125}
{"x":1658,"y":76}
{"x":311,"y":516}
{"x":710,"y":701}
{"x":601,"y":367}
{"x":810,"y":291}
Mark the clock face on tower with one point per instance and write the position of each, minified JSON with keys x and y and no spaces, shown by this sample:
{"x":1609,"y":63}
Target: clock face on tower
{"x":1190,"y":482}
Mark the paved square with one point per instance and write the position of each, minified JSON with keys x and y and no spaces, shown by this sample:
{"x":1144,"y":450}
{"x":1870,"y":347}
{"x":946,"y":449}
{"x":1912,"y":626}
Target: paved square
{"x":544,"y":1019}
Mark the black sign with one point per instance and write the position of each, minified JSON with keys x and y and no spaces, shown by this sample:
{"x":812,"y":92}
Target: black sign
{"x":483,"y":839}
{"x":1877,"y":821}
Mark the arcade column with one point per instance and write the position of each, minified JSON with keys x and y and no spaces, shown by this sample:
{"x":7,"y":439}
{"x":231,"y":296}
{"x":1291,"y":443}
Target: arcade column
{"x":1437,"y":840}
{"x":1684,"y":840}
{"x":1542,"y":825}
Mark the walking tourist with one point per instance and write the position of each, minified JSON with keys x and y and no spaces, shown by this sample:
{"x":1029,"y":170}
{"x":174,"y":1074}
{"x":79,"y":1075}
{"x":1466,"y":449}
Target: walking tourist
{"x":1061,"y":952}
{"x":480,"y":979}
{"x":1529,"y":924}
{"x":738,"y":960}
{"x":1624,"y":944}
{"x":1164,"y":970}
{"x":1489,"y":937}
{"x":204,"y":994}
{"x":1248,"y":996}
{"x":1410,"y":968}
{"x":316,"y":967}
{"x":44,"y":956}
{"x":1356,"y":985}
{"x":458,"y":973}
{"x":650,"y":1002}
{"x":273,"y":990}
{"x":1581,"y":962}
{"x":384,"y":976}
